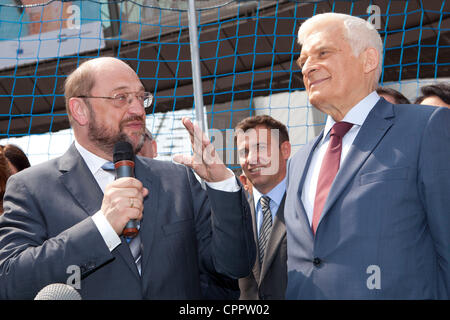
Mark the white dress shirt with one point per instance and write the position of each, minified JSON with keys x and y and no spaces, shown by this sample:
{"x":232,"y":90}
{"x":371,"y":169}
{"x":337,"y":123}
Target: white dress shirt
{"x":357,"y":115}
{"x":104,"y":178}
{"x":275,"y":195}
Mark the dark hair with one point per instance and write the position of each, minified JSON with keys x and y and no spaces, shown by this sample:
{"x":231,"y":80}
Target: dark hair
{"x":263,"y":120}
{"x":440,"y":90}
{"x":398,"y":97}
{"x":16,"y":157}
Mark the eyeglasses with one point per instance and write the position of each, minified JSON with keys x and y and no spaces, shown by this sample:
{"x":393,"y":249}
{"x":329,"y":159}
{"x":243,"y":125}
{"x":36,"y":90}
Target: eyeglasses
{"x":126,"y":98}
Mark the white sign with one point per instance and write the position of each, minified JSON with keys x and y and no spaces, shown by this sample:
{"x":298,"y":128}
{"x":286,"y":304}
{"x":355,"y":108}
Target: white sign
{"x":51,"y":45}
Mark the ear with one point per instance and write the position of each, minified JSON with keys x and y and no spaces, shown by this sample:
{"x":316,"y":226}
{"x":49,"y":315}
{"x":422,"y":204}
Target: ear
{"x":79,"y":111}
{"x":285,"y":150}
{"x":243,"y":180}
{"x":371,"y":60}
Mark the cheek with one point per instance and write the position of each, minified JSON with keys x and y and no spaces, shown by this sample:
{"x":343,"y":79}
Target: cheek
{"x":242,"y":161}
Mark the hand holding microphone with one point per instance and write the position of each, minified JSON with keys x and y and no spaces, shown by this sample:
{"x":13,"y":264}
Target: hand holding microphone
{"x":123,"y":202}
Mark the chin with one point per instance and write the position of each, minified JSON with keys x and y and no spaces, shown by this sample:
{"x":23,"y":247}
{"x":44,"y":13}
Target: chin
{"x":313,"y":101}
{"x":317,"y":101}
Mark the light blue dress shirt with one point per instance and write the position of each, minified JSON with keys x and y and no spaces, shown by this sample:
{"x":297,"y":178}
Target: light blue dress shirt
{"x":275,"y":195}
{"x":357,"y":115}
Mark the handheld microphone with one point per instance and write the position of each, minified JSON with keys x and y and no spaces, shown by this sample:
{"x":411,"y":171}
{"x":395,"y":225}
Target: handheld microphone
{"x":58,"y":291}
{"x":123,"y":158}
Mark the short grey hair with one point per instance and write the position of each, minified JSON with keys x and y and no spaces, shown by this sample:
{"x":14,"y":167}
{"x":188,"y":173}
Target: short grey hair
{"x":359,"y":33}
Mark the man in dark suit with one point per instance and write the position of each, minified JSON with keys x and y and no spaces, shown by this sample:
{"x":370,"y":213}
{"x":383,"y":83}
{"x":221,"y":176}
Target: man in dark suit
{"x":69,"y":213}
{"x":367,"y":207}
{"x":263,"y":150}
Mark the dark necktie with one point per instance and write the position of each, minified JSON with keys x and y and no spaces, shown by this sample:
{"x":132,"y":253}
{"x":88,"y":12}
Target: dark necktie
{"x":135,"y":243}
{"x":329,"y":169}
{"x":266,"y":227}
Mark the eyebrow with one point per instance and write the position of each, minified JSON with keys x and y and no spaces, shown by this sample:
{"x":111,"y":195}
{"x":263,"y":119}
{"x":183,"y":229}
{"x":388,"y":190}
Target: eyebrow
{"x":318,"y":49}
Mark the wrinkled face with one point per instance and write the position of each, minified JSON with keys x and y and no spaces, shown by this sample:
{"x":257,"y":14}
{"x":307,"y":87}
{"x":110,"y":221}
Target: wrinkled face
{"x":109,"y":123}
{"x":261,"y":158}
{"x":330,"y":70}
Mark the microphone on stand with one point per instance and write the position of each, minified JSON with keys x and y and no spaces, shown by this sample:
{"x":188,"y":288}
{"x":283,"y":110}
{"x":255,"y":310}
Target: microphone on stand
{"x":58,"y":291}
{"x":123,"y":158}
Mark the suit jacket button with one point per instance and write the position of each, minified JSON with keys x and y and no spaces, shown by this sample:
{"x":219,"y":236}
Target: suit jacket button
{"x":317,"y":262}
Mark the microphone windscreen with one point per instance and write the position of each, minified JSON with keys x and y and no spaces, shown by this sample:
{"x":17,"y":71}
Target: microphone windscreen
{"x":123,"y":151}
{"x":58,"y":291}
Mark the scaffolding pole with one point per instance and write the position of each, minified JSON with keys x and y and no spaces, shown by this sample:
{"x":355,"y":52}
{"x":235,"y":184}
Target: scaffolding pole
{"x":195,"y":63}
{"x":196,"y":73}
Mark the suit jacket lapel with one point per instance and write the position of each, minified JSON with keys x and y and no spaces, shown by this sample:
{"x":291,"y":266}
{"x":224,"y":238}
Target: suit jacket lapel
{"x":370,"y":134}
{"x":276,"y":236}
{"x":300,"y":175}
{"x":79,"y":181}
{"x":256,"y":268}
{"x":151,"y":202}
{"x":85,"y":190}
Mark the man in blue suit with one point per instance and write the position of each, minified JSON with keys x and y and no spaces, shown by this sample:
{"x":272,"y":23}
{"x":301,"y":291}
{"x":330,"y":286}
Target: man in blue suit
{"x":368,"y":201}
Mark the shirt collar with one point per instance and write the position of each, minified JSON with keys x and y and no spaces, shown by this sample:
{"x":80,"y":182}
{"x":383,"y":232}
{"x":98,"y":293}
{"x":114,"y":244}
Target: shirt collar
{"x":276,"y":194}
{"x":93,"y":161}
{"x":357,"y":115}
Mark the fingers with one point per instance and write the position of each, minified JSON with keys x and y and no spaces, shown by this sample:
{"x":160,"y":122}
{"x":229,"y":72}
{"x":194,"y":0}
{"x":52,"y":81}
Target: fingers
{"x":197,"y":136}
{"x":205,"y":161}
{"x":183,"y":159}
{"x":123,"y":201}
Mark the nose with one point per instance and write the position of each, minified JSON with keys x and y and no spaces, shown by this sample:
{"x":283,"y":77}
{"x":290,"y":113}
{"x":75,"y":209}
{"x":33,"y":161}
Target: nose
{"x":308,"y":67}
{"x":135,"y":106}
{"x":252,"y":157}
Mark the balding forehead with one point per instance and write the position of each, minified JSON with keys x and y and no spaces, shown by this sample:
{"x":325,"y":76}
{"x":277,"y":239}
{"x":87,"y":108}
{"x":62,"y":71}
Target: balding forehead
{"x":104,"y":62}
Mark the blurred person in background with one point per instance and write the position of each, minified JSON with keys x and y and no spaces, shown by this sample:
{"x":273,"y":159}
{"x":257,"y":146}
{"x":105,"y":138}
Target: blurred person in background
{"x":435,"y":95}
{"x":392,"y":95}
{"x":263,"y":150}
{"x":148,"y":148}
{"x":16,"y":157}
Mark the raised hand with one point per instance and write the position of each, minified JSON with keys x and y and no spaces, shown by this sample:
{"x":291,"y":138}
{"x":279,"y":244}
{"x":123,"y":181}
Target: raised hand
{"x":205,"y":161}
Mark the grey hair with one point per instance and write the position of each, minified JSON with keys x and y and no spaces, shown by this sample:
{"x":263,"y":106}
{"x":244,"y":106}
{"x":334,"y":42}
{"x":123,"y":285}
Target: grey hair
{"x":359,"y":33}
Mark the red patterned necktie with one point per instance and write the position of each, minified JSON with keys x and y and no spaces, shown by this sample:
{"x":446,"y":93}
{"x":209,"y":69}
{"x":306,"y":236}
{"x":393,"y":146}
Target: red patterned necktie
{"x":329,"y":169}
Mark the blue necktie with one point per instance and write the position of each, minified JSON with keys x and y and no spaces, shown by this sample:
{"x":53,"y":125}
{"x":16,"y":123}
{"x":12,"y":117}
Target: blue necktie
{"x":108,"y":166}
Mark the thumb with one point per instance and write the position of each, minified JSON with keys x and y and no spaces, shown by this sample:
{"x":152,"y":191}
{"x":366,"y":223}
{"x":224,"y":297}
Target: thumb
{"x":145,"y":192}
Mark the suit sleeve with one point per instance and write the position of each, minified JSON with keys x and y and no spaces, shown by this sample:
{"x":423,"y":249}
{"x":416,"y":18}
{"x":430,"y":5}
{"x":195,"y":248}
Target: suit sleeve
{"x":30,"y":258}
{"x":434,"y":186}
{"x":224,"y":231}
